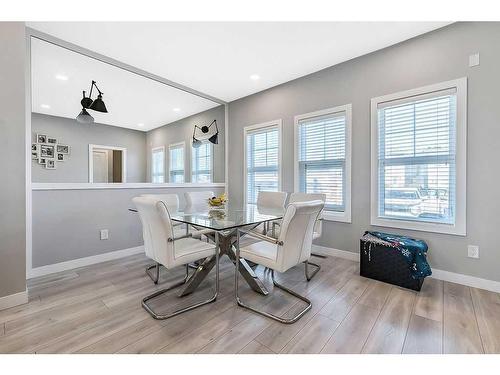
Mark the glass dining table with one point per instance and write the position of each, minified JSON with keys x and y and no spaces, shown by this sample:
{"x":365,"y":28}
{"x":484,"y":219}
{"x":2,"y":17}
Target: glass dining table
{"x":224,"y":223}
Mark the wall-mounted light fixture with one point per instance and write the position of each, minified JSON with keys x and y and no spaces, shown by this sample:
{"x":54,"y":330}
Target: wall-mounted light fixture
{"x":87,"y":103}
{"x":207,"y":134}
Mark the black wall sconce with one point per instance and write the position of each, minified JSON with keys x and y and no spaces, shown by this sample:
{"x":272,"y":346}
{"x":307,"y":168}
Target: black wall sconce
{"x":198,"y":139}
{"x":87,"y":103}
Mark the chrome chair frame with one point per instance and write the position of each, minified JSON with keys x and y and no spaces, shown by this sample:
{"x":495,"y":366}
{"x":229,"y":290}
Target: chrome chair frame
{"x":157,"y":265}
{"x":275,"y":283}
{"x":314,"y":272}
{"x":186,"y":278}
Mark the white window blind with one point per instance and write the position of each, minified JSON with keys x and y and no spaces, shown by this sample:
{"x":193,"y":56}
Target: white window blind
{"x":158,"y":165}
{"x":322,"y":158}
{"x":176,"y":166}
{"x":262,"y":159}
{"x":417,"y":158}
{"x":201,"y":163}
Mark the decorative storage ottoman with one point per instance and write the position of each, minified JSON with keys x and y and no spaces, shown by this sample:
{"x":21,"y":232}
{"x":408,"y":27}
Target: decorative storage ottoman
{"x":394,"y":259}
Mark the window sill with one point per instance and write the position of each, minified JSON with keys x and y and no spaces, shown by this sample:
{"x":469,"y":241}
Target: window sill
{"x":457,"y":229}
{"x":342,"y":217}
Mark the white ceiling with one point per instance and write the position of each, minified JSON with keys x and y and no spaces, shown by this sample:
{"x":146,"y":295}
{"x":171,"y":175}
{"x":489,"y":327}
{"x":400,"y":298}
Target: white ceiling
{"x":218,"y":58}
{"x":132,"y":101}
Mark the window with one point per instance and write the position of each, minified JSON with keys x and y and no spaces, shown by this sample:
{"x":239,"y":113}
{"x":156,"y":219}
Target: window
{"x":158,"y":165}
{"x":201,"y":163}
{"x":323,"y":158}
{"x":176,"y":166}
{"x":418,"y":158}
{"x":262,"y":159}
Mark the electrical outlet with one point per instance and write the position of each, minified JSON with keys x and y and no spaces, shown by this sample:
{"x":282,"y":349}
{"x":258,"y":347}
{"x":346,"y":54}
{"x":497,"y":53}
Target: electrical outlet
{"x":474,"y":60}
{"x":473,"y":251}
{"x":104,"y":234}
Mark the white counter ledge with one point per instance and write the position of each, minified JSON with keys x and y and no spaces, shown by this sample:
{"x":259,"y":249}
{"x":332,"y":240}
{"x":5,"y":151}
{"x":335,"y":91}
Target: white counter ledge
{"x":140,"y":185}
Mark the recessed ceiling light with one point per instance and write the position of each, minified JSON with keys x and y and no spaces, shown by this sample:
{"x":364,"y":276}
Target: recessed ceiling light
{"x":176,"y":109}
{"x":254,"y":77}
{"x":140,"y":125}
{"x":45,"y":106}
{"x":61,"y":77}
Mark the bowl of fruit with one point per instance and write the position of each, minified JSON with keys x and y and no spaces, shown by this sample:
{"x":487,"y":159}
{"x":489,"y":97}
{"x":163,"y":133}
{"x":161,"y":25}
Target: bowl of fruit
{"x":218,"y":201}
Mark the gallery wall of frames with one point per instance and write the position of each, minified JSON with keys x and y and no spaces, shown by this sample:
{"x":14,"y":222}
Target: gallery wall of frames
{"x":47,"y":151}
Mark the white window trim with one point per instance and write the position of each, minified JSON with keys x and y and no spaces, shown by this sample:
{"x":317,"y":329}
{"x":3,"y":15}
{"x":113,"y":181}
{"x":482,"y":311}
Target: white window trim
{"x":279,"y":124}
{"x":211,"y":164}
{"x":344,"y":217}
{"x":176,"y":145}
{"x":459,"y":228}
{"x":162,"y":148}
{"x":91,"y":160}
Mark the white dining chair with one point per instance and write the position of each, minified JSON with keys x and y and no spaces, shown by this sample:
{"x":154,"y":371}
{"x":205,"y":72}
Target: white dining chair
{"x":172,"y":203}
{"x":292,"y":247}
{"x":162,"y":246}
{"x":318,"y":227}
{"x":198,"y":200}
{"x":271,"y":200}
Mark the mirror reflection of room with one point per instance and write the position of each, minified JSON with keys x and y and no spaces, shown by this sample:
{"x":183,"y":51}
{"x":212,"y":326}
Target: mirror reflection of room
{"x":147,"y":131}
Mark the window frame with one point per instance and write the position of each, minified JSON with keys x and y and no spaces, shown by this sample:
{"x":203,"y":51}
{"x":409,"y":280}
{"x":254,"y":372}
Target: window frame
{"x":153,"y":149}
{"x":174,"y":146}
{"x":279,"y":125}
{"x":211,"y":164}
{"x":344,"y":217}
{"x":459,"y":227}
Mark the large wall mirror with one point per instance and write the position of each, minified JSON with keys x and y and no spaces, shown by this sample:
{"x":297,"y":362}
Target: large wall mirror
{"x":145,"y":136}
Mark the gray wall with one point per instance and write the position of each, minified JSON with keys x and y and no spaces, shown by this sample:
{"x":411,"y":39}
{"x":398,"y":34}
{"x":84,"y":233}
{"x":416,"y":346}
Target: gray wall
{"x":435,"y":57}
{"x":182,"y":130}
{"x":13,"y":155}
{"x":79,"y":136}
{"x":66,"y":223}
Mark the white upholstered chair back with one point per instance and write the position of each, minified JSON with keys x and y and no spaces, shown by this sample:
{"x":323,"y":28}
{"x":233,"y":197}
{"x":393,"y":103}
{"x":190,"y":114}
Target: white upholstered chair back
{"x":305,"y":197}
{"x":156,"y":229}
{"x":171,"y":200}
{"x":296,"y":233}
{"x":196,"y":199}
{"x":271,"y":199}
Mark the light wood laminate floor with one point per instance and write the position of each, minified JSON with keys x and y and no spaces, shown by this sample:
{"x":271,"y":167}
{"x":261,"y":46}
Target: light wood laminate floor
{"x":97,"y":309}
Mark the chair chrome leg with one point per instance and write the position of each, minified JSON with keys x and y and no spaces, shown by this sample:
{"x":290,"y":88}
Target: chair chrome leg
{"x":191,"y":307}
{"x":306,"y":269}
{"x":285,"y":289}
{"x":156,"y":277}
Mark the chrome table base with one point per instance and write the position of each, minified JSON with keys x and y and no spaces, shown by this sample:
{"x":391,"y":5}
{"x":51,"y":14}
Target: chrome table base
{"x":226,"y":245}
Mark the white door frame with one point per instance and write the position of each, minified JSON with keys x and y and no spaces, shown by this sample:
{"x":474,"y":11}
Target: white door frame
{"x":91,"y":160}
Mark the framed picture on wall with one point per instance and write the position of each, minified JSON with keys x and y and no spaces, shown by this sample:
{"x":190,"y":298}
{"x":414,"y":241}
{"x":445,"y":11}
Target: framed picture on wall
{"x":60,"y":157}
{"x":51,"y":164}
{"x":51,"y":140}
{"x":34,"y":155}
{"x":42,"y":161}
{"x":41,"y":138}
{"x":34,"y":147}
{"x":62,"y":149}
{"x":47,"y":151}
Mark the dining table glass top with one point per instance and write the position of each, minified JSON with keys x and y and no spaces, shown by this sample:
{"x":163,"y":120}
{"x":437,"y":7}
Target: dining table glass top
{"x":227,"y":217}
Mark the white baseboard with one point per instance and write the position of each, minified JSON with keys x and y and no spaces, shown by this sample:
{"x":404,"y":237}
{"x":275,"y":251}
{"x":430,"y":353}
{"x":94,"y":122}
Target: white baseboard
{"x":82,"y":262}
{"x":337,"y":253}
{"x":458,"y":278}
{"x":13,"y":300}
